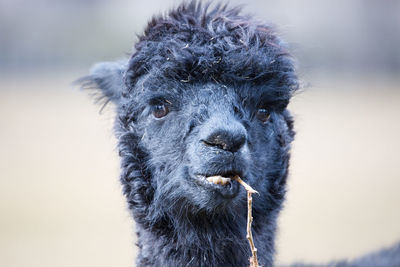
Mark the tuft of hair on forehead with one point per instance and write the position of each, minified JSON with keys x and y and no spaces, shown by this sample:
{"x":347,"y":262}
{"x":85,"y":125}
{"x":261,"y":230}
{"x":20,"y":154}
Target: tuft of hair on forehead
{"x":199,"y":43}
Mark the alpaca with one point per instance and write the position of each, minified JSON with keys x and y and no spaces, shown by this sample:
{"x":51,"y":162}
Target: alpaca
{"x":202,"y":98}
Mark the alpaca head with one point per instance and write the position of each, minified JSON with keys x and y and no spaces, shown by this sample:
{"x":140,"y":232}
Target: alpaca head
{"x":204,"y":94}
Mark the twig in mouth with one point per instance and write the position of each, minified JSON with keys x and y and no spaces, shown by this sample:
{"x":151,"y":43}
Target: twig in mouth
{"x":250,"y":190}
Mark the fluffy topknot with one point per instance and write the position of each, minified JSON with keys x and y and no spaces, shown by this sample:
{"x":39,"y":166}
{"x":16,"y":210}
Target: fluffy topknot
{"x":196,"y":43}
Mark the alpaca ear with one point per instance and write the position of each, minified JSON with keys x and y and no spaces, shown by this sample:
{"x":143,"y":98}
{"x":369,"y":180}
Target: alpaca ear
{"x":108,"y":78}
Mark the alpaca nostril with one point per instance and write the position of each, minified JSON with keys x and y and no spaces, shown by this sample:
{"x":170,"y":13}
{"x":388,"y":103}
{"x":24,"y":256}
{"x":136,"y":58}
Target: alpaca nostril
{"x":226,"y":140}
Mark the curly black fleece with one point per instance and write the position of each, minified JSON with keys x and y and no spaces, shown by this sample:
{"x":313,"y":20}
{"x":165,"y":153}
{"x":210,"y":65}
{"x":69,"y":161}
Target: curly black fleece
{"x":213,"y":71}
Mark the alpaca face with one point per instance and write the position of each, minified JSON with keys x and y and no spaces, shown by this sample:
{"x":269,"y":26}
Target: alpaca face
{"x":203,"y":98}
{"x":197,"y":136}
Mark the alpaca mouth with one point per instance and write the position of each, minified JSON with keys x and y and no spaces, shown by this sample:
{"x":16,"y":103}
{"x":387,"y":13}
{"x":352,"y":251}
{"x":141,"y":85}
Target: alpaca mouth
{"x":218,"y":179}
{"x":224,"y":184}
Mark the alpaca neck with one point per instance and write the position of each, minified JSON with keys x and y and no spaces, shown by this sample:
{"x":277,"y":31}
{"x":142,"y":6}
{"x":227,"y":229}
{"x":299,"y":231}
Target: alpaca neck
{"x":205,"y":242}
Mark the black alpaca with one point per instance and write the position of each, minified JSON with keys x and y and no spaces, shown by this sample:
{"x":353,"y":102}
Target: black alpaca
{"x":204,"y":94}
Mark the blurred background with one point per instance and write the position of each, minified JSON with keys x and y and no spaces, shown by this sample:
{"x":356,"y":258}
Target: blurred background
{"x":60,"y":198}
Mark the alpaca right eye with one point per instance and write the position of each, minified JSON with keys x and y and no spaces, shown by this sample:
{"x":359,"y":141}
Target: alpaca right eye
{"x":263,"y":115}
{"x":160,"y":111}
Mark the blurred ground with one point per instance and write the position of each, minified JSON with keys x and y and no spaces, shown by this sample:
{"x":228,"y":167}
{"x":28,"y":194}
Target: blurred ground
{"x":60,"y":199}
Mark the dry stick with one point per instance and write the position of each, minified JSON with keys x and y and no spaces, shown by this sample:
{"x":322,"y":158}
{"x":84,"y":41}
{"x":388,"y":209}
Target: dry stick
{"x":250,"y":190}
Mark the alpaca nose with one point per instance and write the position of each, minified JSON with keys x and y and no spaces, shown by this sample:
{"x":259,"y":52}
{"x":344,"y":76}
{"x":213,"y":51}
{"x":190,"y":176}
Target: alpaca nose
{"x":229,"y":140}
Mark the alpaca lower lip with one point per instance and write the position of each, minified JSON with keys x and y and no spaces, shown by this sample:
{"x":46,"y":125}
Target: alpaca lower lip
{"x":225,"y":186}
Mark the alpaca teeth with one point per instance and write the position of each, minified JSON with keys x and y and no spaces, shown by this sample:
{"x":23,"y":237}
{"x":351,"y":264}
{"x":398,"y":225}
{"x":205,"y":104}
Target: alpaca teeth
{"x":218,"y":180}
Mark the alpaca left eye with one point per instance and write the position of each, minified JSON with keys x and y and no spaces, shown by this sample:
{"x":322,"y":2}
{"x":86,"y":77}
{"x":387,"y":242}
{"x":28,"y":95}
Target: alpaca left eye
{"x":263,"y":114}
{"x":160,"y":111}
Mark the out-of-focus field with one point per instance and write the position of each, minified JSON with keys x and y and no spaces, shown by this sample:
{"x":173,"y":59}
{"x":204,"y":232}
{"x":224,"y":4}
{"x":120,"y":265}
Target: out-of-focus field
{"x":60,"y":199}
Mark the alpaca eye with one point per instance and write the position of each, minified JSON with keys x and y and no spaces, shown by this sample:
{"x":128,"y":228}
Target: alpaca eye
{"x":160,"y":111}
{"x":262,"y":114}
